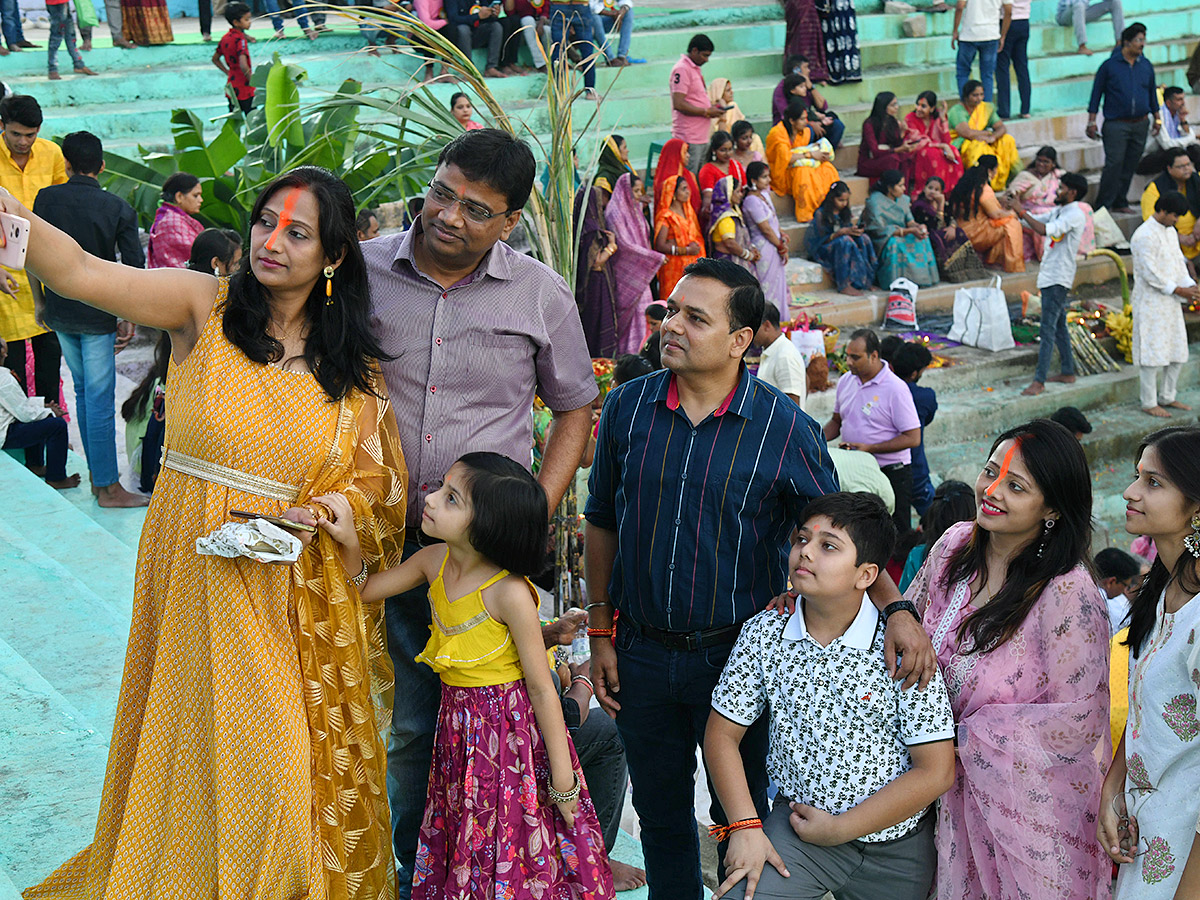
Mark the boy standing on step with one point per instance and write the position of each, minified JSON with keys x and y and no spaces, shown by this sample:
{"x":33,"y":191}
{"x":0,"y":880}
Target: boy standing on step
{"x":232,"y":57}
{"x":62,"y":27}
{"x":1064,"y":226}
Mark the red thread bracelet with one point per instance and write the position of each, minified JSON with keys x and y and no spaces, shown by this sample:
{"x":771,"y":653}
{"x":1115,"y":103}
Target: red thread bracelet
{"x":722,"y":832}
{"x":601,"y":632}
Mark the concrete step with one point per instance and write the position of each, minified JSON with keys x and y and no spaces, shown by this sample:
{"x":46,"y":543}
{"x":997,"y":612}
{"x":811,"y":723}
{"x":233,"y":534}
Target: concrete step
{"x":52,"y":764}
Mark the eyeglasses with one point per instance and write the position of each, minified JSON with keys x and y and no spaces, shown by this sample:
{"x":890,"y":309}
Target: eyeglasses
{"x":446,"y":198}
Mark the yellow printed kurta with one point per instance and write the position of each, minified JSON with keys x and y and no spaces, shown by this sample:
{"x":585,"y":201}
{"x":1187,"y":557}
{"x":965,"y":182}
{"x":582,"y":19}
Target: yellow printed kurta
{"x":246,"y":759}
{"x":44,"y":168}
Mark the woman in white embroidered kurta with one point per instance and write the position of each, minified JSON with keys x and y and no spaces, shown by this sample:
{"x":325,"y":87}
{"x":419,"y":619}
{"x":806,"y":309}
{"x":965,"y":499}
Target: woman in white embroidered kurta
{"x":1150,"y":805}
{"x":1160,"y":282}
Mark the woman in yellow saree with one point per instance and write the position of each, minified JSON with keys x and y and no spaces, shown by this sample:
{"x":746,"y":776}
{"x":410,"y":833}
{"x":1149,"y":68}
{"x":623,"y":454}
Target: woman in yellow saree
{"x":976,"y":130}
{"x":246,"y":758}
{"x":798,"y":168}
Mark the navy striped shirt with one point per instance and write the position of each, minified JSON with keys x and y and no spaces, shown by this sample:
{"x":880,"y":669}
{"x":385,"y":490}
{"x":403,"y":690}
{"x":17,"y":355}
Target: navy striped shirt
{"x":702,"y":514}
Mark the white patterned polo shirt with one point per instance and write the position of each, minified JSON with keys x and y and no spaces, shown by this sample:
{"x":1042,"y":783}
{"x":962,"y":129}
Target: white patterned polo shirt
{"x":840,"y":727}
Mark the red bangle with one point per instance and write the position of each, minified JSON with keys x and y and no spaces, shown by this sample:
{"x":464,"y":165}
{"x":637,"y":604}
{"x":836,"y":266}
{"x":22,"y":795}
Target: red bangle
{"x":722,"y":832}
{"x":601,"y":632}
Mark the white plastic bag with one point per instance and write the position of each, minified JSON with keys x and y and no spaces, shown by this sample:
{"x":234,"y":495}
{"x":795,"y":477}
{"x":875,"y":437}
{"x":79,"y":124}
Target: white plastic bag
{"x":256,"y":539}
{"x":810,"y":343}
{"x":981,"y":318}
{"x":902,"y":304}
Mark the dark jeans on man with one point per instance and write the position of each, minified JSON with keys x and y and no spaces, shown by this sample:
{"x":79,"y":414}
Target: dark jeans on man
{"x":602,"y":758}
{"x":1124,"y":142}
{"x":488,"y":33}
{"x":577,"y":16}
{"x":414,"y":721}
{"x":47,"y":360}
{"x":987,"y":64}
{"x":1015,"y":45}
{"x":44,"y":443}
{"x":899,"y":475}
{"x":1053,"y":332}
{"x":666,"y":698}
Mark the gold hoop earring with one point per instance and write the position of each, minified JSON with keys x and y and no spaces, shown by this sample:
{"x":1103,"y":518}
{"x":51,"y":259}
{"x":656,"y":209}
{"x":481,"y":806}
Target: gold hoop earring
{"x":328,"y":273}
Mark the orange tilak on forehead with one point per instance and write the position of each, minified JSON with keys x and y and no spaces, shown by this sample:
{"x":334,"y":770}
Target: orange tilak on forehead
{"x":1004,"y":464}
{"x":285,"y":217}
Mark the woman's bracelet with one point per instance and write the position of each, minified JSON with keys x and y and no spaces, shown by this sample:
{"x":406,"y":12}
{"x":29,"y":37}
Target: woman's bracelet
{"x":673,"y":253}
{"x":560,"y":796}
{"x":583,"y":678}
{"x":361,"y":578}
{"x":746,"y":254}
{"x":595,"y":604}
{"x":722,"y":832}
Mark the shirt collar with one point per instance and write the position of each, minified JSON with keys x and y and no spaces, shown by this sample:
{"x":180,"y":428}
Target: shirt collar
{"x":773,"y":346}
{"x":879,"y":376}
{"x":89,"y":180}
{"x":859,"y":636}
{"x":495,"y":262}
{"x":687,"y":59}
{"x":739,"y":400}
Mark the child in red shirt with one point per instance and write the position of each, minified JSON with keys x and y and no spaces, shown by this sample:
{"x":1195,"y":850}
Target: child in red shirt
{"x":232,"y":57}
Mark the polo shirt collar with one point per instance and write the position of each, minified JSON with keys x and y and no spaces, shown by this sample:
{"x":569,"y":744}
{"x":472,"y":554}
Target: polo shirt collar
{"x":774,"y":347}
{"x":495,"y":262}
{"x":691,"y":62}
{"x":739,"y":401}
{"x":860,"y":635}
{"x":879,"y":376}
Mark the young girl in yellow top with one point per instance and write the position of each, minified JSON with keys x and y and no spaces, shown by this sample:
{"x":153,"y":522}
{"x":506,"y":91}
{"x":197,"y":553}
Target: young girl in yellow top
{"x":502,"y":760}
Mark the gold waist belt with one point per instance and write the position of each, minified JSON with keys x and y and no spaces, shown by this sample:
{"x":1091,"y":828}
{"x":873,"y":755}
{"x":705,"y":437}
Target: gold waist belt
{"x":230,"y":478}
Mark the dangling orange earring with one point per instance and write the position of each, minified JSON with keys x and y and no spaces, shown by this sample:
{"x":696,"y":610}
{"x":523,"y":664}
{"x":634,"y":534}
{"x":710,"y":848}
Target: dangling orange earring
{"x":328,"y":273}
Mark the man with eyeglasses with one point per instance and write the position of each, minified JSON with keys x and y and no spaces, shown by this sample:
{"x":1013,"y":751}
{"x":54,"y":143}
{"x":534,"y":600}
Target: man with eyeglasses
{"x":1178,"y":176}
{"x":475,"y":329}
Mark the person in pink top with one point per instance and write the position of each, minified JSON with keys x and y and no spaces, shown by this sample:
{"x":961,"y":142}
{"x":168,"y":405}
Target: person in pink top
{"x":430,"y":12}
{"x":174,"y":228}
{"x":874,"y":411}
{"x":690,"y":107}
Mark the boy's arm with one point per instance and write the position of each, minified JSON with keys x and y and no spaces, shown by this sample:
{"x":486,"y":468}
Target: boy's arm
{"x":749,"y":848}
{"x":931,"y":776}
{"x":244,"y":64}
{"x":219,"y":62}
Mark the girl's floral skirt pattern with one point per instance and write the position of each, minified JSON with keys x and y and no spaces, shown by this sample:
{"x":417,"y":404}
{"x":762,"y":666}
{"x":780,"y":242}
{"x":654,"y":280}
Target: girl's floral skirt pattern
{"x":489,"y":829}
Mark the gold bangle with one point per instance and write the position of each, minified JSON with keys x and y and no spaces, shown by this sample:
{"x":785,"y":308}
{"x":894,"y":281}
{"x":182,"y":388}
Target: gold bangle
{"x":361,"y":578}
{"x":561,"y":796}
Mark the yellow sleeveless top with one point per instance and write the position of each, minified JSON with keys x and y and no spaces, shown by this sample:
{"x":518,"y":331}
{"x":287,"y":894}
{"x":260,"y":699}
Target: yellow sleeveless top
{"x":467,"y":647}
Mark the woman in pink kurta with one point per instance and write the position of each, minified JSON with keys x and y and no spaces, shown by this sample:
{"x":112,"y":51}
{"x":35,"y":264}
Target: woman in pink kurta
{"x":1031,"y":708}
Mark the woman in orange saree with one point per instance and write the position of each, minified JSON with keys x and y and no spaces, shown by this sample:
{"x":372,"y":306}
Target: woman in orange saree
{"x":994,"y":232}
{"x":246,"y":758}
{"x":799,"y":169}
{"x":674,"y":161}
{"x":677,"y":234}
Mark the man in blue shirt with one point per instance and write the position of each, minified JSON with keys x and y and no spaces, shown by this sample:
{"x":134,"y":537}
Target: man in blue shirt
{"x":1126,"y":82}
{"x":909,"y":363}
{"x":700,"y":474}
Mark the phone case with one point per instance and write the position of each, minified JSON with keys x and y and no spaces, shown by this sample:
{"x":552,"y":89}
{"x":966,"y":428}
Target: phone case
{"x":16,"y":241}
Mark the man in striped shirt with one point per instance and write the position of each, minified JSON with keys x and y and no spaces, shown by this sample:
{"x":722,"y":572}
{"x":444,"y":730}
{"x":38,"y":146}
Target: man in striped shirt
{"x":701,"y":472}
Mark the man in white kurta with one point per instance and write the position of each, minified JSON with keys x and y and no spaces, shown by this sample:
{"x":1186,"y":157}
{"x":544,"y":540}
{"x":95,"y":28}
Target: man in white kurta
{"x":1160,"y":284}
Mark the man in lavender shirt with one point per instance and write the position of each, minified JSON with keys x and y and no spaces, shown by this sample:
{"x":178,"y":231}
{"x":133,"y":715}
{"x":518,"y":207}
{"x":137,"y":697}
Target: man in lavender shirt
{"x":874,"y":411}
{"x":475,"y":329}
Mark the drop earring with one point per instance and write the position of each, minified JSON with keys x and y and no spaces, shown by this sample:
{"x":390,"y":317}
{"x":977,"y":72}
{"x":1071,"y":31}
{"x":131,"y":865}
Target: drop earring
{"x":1192,"y":541}
{"x":1049,"y":524}
{"x":328,"y":285}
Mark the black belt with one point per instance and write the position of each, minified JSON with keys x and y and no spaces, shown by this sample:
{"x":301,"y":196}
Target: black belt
{"x":689,"y":640}
{"x":894,"y":467}
{"x":1132,"y":118}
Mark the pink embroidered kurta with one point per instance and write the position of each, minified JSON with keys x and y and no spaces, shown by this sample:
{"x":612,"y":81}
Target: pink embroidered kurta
{"x":1033,"y":741}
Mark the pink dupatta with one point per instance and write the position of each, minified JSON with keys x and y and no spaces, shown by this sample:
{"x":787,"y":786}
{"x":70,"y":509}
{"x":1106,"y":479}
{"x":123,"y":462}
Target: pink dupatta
{"x":633,"y":265}
{"x":1033,"y":741}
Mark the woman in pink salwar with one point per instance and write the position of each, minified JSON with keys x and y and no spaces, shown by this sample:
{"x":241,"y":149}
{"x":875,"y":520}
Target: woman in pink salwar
{"x":1020,"y":632}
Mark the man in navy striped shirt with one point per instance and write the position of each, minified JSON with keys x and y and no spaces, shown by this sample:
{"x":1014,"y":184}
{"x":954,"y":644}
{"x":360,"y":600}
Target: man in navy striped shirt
{"x":701,"y":471}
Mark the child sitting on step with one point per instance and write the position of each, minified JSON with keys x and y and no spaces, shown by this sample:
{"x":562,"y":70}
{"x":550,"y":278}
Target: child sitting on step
{"x":35,"y":426}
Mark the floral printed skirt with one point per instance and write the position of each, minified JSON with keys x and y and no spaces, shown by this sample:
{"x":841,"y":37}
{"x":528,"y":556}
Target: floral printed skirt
{"x":489,"y":829}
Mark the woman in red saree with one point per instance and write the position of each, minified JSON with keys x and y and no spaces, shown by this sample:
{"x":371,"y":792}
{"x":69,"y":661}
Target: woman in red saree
{"x":674,"y":162}
{"x":934,"y":154}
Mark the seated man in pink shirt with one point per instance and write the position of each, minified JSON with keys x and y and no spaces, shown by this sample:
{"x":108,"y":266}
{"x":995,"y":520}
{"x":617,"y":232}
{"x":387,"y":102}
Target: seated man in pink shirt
{"x":690,"y":106}
{"x":874,"y":411}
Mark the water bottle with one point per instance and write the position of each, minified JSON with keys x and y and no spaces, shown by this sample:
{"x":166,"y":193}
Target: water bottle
{"x":581,"y":649}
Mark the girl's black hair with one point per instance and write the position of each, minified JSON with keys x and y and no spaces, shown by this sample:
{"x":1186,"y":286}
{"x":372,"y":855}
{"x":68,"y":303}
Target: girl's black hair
{"x":930,"y":98}
{"x":454,"y":98}
{"x":510,"y":518}
{"x":142,"y":394}
{"x":219,"y":243}
{"x":887,"y":129}
{"x":1048,"y":152}
{"x":796,"y":109}
{"x":888,"y":179}
{"x":953,"y":501}
{"x":756,"y":170}
{"x":740,"y":127}
{"x":1178,"y":452}
{"x":179,"y":183}
{"x":831,"y":218}
{"x":1059,"y":468}
{"x":963,"y":201}
{"x":939,"y":179}
{"x":340,"y":349}
{"x":718,"y":138}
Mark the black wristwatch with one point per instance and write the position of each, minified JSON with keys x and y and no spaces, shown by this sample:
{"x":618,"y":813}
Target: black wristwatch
{"x":900,"y":606}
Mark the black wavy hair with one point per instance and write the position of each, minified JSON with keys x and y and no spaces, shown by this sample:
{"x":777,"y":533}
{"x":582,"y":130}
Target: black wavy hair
{"x":863,"y":517}
{"x":1178,"y":452}
{"x":718,"y":138}
{"x":746,"y":301}
{"x":219,"y":243}
{"x":832,"y":219}
{"x":341,"y":349}
{"x":963,"y":201}
{"x":179,"y":183}
{"x":498,"y":159}
{"x":510,"y":520}
{"x":886,"y":128}
{"x":1056,"y":462}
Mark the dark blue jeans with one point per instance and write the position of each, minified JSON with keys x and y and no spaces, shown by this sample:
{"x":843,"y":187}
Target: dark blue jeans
{"x":10,"y":20}
{"x":1054,"y":332}
{"x":1015,"y":45}
{"x":666,"y":697}
{"x":43,"y":441}
{"x":565,"y":16}
{"x":987,"y":64}
{"x":414,"y":721}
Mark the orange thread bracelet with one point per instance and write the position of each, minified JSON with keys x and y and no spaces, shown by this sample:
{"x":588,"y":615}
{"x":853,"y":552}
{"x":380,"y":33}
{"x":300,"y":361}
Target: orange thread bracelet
{"x":601,"y":632}
{"x":722,"y":832}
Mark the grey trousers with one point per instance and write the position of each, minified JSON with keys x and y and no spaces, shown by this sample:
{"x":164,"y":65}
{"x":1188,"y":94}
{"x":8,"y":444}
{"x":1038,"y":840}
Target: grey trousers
{"x":1123,"y":146}
{"x":1080,"y":12}
{"x":902,"y":869}
{"x":112,"y":11}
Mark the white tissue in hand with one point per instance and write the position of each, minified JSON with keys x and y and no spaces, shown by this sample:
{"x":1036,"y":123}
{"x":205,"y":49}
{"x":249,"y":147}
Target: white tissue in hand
{"x":255,"y":539}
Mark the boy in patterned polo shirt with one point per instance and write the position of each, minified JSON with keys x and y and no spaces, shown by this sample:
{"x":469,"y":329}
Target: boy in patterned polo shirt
{"x":858,"y":759}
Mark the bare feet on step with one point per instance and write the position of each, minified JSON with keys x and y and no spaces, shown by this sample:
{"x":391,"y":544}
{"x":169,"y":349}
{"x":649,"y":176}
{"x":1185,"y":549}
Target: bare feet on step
{"x":71,"y":481}
{"x":1175,"y":404}
{"x":626,"y":877}
{"x":1157,"y":411}
{"x":1062,"y":379}
{"x":1033,"y":390}
{"x":114,"y":496}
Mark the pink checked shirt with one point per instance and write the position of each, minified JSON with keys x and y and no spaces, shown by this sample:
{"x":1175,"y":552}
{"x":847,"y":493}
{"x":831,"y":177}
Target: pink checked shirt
{"x":171,"y":238}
